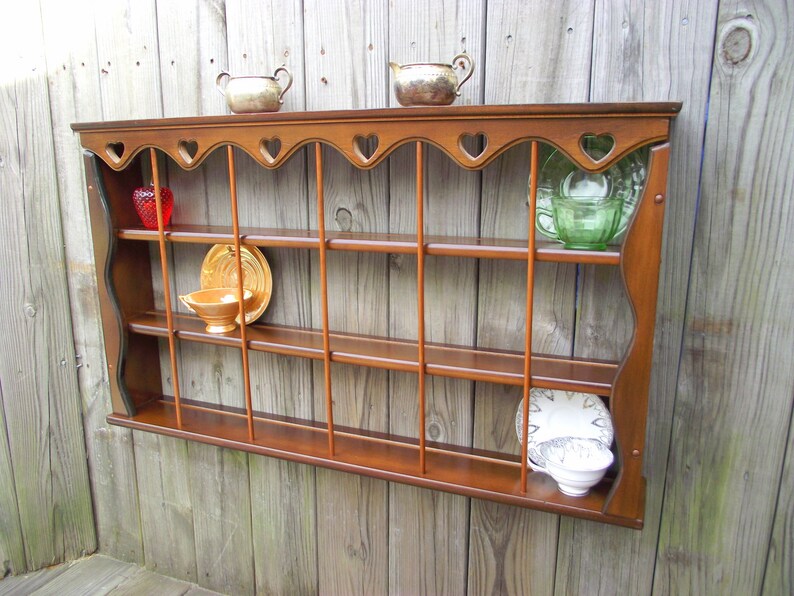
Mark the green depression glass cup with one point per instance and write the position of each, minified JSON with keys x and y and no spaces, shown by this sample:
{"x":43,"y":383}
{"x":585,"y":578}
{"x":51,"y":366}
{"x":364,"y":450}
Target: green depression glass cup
{"x":581,"y":222}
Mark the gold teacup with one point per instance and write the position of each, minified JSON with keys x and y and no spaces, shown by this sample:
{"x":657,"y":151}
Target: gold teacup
{"x":217,"y":307}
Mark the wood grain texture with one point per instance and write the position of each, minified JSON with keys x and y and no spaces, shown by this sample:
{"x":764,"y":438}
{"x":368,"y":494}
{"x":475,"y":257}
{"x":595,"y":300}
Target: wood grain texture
{"x":733,"y":408}
{"x":71,"y":53}
{"x":779,"y":572}
{"x":530,"y":57}
{"x":12,"y":547}
{"x":165,"y":501}
{"x":345,"y":68}
{"x":98,"y":575}
{"x":94,"y":575}
{"x":708,"y":500}
{"x":643,"y":53}
{"x":267,"y":35}
{"x":219,"y":479}
{"x":130,"y":86}
{"x":428,"y":531}
{"x":37,"y":375}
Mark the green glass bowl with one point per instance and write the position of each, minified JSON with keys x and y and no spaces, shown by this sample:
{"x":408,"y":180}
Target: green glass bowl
{"x":581,"y":222}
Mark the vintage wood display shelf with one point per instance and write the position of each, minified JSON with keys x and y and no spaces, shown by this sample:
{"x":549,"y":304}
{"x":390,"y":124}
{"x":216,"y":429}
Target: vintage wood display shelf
{"x":133,"y":327}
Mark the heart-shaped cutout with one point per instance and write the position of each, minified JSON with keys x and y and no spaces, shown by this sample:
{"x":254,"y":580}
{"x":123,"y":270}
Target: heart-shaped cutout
{"x":188,"y":149}
{"x":365,"y":146}
{"x":597,"y":147}
{"x":115,"y":151}
{"x":473,"y":145}
{"x":270,"y":148}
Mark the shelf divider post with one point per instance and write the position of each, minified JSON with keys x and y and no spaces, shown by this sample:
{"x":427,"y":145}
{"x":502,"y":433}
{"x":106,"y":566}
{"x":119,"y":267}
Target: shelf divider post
{"x":238,"y":258}
{"x":329,"y":411}
{"x":169,"y":317}
{"x":533,"y":192}
{"x":420,"y":290}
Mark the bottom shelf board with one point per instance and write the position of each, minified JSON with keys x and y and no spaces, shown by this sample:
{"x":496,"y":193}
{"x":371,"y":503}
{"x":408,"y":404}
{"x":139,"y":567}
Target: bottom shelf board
{"x":450,"y":471}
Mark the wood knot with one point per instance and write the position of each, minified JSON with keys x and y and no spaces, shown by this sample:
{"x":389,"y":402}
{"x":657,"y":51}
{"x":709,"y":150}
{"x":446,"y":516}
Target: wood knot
{"x":344,"y":219}
{"x":737,"y":41}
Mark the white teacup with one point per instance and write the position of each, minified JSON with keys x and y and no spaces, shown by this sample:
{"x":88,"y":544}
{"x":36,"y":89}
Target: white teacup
{"x":577,"y":464}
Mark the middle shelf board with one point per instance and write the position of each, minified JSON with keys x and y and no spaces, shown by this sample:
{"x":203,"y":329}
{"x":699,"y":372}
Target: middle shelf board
{"x":450,"y":246}
{"x":474,"y":364}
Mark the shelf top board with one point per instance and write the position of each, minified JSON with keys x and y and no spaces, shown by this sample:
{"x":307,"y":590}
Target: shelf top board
{"x":366,"y":137}
{"x":668,"y":109}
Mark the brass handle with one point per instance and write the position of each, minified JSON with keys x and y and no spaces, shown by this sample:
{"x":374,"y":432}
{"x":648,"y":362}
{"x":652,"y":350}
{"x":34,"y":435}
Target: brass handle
{"x":467,"y":58}
{"x":218,"y":82}
{"x":289,"y":82}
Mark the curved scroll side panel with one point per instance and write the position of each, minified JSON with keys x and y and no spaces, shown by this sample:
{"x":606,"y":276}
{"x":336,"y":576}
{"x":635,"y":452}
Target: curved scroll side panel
{"x":366,"y":143}
{"x":104,"y":247}
{"x":640,"y":260}
{"x":120,"y":266}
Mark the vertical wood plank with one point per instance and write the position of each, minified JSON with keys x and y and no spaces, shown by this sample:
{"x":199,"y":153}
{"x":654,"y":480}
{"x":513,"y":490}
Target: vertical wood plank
{"x":779,"y":572}
{"x":733,"y":408}
{"x":427,"y":530}
{"x":261,"y":37}
{"x":346,"y":59}
{"x":12,"y":548}
{"x":219,"y":485}
{"x":130,"y":86}
{"x":37,"y":372}
{"x":643,"y":53}
{"x":73,"y":76}
{"x":533,"y":55}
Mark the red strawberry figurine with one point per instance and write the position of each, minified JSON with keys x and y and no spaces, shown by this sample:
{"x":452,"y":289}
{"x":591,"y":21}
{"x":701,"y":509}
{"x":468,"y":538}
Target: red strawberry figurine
{"x":146,"y":206}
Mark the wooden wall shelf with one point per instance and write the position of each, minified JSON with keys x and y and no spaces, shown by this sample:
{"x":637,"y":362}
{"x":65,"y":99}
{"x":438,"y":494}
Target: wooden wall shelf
{"x":133,"y":327}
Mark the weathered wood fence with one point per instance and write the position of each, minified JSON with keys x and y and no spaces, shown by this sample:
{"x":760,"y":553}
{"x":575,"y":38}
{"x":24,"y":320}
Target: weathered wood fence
{"x":720,"y":500}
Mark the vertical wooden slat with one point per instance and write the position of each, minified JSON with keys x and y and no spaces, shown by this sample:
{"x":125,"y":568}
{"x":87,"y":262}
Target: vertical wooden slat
{"x":682,"y":36}
{"x":169,"y":317}
{"x":732,"y":414}
{"x":261,"y":36}
{"x":533,"y":192}
{"x":420,"y":293}
{"x":428,"y":530}
{"x":329,"y":413}
{"x":346,"y":53}
{"x":238,"y":260}
{"x":536,"y":52}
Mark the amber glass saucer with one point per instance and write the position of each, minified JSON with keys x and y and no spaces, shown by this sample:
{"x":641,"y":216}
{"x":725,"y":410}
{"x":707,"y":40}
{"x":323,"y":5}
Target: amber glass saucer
{"x":219,"y":270}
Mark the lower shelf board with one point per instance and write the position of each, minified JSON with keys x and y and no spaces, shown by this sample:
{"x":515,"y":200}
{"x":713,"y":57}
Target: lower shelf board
{"x":455,"y":470}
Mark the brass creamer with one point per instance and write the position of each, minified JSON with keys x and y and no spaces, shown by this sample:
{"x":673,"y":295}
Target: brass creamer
{"x":427,"y":84}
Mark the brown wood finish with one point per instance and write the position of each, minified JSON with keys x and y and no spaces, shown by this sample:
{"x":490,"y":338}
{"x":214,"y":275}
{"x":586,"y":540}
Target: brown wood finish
{"x":441,"y":246}
{"x":450,"y":470}
{"x":238,"y":262}
{"x":120,"y":266}
{"x":504,"y":126}
{"x":532,"y":199}
{"x":553,"y":372}
{"x":329,"y":401}
{"x":640,"y":268}
{"x":138,"y":324}
{"x":420,"y":293}
{"x":166,"y":284}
